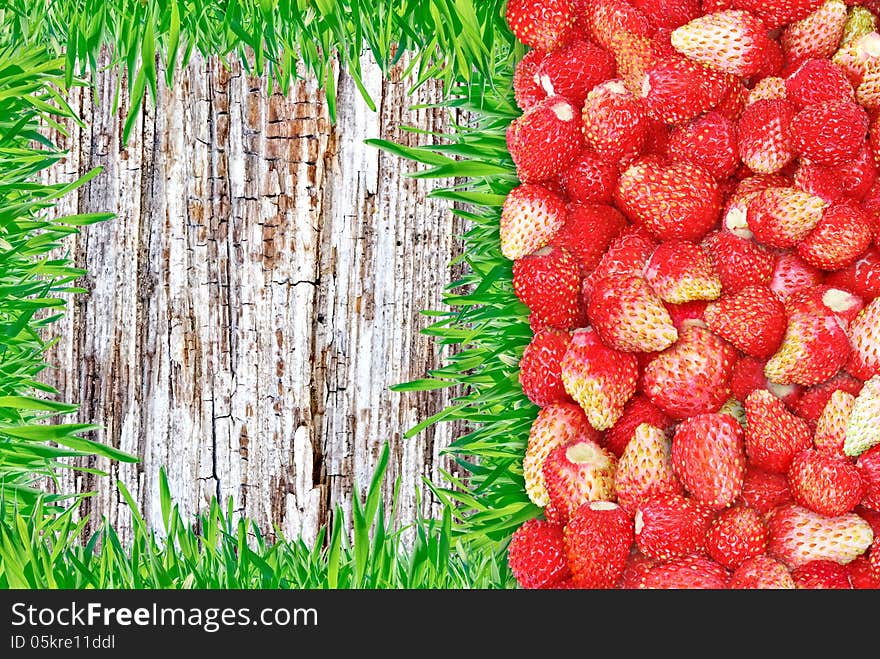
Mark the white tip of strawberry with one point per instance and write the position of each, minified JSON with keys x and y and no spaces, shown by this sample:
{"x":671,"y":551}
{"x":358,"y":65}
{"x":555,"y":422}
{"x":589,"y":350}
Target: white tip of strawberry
{"x":639,"y":520}
{"x":603,"y":505}
{"x":839,"y":300}
{"x":736,"y":222}
{"x":563,"y":111}
{"x":646,"y":86}
{"x":547,"y":84}
{"x":869,"y":45}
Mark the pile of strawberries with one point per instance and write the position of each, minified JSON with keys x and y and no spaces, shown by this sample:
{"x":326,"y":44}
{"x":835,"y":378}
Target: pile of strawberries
{"x":697,"y":237}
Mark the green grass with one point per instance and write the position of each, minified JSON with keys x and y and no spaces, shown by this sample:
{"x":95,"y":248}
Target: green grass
{"x":216,"y":550}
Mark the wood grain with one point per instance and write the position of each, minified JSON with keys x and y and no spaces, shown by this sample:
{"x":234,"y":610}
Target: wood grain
{"x":256,"y":296}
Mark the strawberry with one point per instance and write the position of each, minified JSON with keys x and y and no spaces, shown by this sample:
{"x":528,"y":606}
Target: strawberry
{"x":868,"y":465}
{"x":530,"y":217}
{"x":578,"y":472}
{"x":864,"y":336}
{"x":629,"y":316}
{"x":614,"y":121}
{"x":639,"y":410}
{"x":776,"y":13}
{"x":627,"y":254}
{"x":597,"y":543}
{"x":859,"y":23}
{"x":666,"y":13}
{"x":824,"y":182}
{"x":816,"y":81}
{"x":831,"y":425}
{"x":558,"y":424}
{"x":687,"y":573}
{"x":764,"y":135}
{"x":733,"y":103}
{"x":536,"y":554}
{"x":645,"y":468}
{"x":548,"y":282}
{"x":588,"y":231}
{"x":540,"y":371}
{"x":669,"y":526}
{"x":687,"y":313}
{"x":814,"y":399}
{"x":693,"y":376}
{"x":675,"y":201}
{"x":863,"y":431}
{"x":862,"y":277}
{"x":677,"y":89}
{"x":635,"y":55}
{"x":590,"y":179}
{"x":874,"y":558}
{"x":599,"y":378}
{"x":746,"y":376}
{"x":858,"y":177}
{"x":782,"y":217}
{"x":858,"y":56}
{"x":823,"y":483}
{"x":829,"y":133}
{"x":764,"y":490}
{"x":753,"y":320}
{"x":545,"y":140}
{"x":542,"y":24}
{"x":607,"y":18}
{"x":708,"y":141}
{"x":526,"y":90}
{"x":771,"y":88}
{"x":842,"y":235}
{"x":574,"y":70}
{"x":817,"y":35}
{"x":736,"y":535}
{"x":732,"y":41}
{"x":773,"y":434}
{"x":761,"y":572}
{"x":708,"y":458}
{"x":739,"y":262}
{"x":821,"y":575}
{"x":680,"y":271}
{"x":861,"y":575}
{"x":791,"y":274}
{"x":635,"y":571}
{"x":798,"y":536}
{"x":868,"y":91}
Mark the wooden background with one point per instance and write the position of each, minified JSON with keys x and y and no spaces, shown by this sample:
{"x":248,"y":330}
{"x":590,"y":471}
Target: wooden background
{"x":256,"y":296}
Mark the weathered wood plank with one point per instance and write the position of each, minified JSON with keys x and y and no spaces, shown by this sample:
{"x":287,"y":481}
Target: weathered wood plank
{"x":256,"y":296}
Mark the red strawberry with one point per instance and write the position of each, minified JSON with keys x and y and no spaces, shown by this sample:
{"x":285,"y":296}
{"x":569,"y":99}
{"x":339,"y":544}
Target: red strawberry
{"x":753,"y":320}
{"x":545,"y":140}
{"x":597,"y":543}
{"x":858,"y":176}
{"x":817,"y":35}
{"x":732,"y":41}
{"x":822,"y":575}
{"x":829,"y":133}
{"x":637,"y":568}
{"x":687,"y":313}
{"x":736,"y":535}
{"x":526,"y":89}
{"x":708,"y":458}
{"x":635,"y":55}
{"x":677,"y":89}
{"x":536,"y":555}
{"x":746,"y":376}
{"x":868,"y":465}
{"x":734,"y":102}
{"x":670,"y":526}
{"x":548,"y":282}
{"x":824,"y":182}
{"x":606,"y":18}
{"x":864,"y":335}
{"x":627,"y":254}
{"x":862,"y":277}
{"x":874,"y":558}
{"x":689,"y":572}
{"x":708,"y":141}
{"x":861,"y":575}
{"x":863,"y":431}
{"x":816,"y":81}
{"x":542,"y":24}
{"x":870,"y":516}
{"x":599,"y":378}
{"x":645,"y":468}
{"x":693,"y":376}
{"x":540,"y":371}
{"x":799,"y":536}
{"x":791,"y":274}
{"x":590,"y":179}
{"x":739,"y":262}
{"x":763,"y":135}
{"x":773,"y":434}
{"x":814,"y":399}
{"x":782,"y":217}
{"x":761,"y":572}
{"x":574,"y":70}
{"x":614,"y":121}
{"x":577,"y":473}
{"x":676,"y":201}
{"x":556,"y":425}
{"x":668,"y":14}
{"x":680,"y":271}
{"x":639,"y":410}
{"x":831,"y":425}
{"x":828,"y":485}
{"x":588,"y":231}
{"x":771,"y":88}
{"x":530,"y":218}
{"x":776,"y":13}
{"x":843,"y":233}
{"x":764,"y":490}
{"x":629,"y":316}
